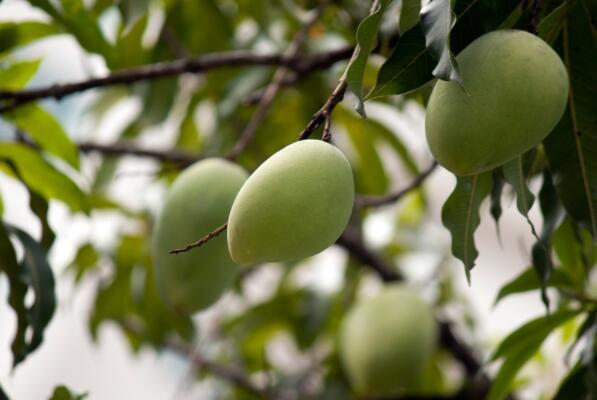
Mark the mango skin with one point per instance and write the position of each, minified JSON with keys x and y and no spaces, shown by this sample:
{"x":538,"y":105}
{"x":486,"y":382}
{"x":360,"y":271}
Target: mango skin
{"x":516,"y":88}
{"x":198,"y":201}
{"x":386,"y":341}
{"x":296,"y":204}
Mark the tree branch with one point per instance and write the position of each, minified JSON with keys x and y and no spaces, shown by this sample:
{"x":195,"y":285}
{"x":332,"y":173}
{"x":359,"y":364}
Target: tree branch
{"x":119,"y":149}
{"x":374,"y":201}
{"x":10,"y":99}
{"x":201,"y":241}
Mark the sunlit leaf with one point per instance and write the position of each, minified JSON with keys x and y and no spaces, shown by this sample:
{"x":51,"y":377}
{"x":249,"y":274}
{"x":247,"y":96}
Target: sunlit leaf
{"x":46,"y":131}
{"x":17,"y":34}
{"x":17,"y":74}
{"x":42,"y":177}
{"x":61,"y":392}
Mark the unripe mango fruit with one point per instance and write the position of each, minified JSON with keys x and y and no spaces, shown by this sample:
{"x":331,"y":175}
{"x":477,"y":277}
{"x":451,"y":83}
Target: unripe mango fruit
{"x":198,"y":201}
{"x":386,"y":341}
{"x":515,"y":92}
{"x":296,"y":204}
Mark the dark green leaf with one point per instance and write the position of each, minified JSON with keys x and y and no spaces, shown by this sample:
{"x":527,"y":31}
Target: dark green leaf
{"x":85,"y":260}
{"x":551,"y":25}
{"x":574,"y":386}
{"x":460,"y":214}
{"x":16,"y":296}
{"x":576,"y":251}
{"x":39,"y":206}
{"x":18,"y":74}
{"x":497,"y":188}
{"x":552,"y":216}
{"x":46,"y":131}
{"x":437,"y":20}
{"x":520,"y":345}
{"x":529,"y":280}
{"x":515,"y":175}
{"x":42,"y":177}
{"x":36,"y":273}
{"x":570,"y":148}
{"x":366,"y":37}
{"x":63,"y":393}
{"x":14,"y":35}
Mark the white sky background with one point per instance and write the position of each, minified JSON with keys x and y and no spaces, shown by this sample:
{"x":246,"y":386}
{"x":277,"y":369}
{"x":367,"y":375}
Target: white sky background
{"x":107,"y":369}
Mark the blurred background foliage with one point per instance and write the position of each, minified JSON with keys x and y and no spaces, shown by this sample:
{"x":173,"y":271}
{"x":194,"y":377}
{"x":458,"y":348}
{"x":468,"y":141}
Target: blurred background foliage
{"x":201,"y":115}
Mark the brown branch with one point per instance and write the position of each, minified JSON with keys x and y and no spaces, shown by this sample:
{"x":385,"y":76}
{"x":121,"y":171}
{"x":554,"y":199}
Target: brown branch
{"x":10,"y":99}
{"x":119,"y":149}
{"x":273,"y":88}
{"x":201,"y":241}
{"x":319,"y":117}
{"x":374,"y":201}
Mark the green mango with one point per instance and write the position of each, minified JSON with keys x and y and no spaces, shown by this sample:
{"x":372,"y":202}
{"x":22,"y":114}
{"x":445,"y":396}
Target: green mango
{"x":198,"y":201}
{"x":515,"y":92}
{"x":387,"y":341}
{"x":296,"y":204}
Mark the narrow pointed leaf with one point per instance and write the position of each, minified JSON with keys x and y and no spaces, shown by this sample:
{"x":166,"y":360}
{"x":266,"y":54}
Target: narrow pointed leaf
{"x":571,"y":148}
{"x":42,"y":177}
{"x":529,"y":280}
{"x":366,"y":37}
{"x":409,"y":15}
{"x":18,"y":74}
{"x":437,"y":20}
{"x":495,"y":208}
{"x":460,"y":214}
{"x":514,"y":174}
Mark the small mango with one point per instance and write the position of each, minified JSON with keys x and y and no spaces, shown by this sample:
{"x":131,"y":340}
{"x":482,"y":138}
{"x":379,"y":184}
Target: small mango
{"x":198,"y":201}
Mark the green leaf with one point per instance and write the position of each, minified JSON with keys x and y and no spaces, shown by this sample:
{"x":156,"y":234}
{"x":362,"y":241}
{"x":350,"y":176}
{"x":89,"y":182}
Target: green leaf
{"x":16,"y":75}
{"x":570,"y":148}
{"x":40,"y":278}
{"x":85,"y":260}
{"x":409,"y":15}
{"x":366,"y":36}
{"x":574,"y":385}
{"x":551,"y":25}
{"x":370,"y":174}
{"x":460,"y":214}
{"x":129,"y":45}
{"x":495,"y":208}
{"x":520,"y":346}
{"x":16,"y":295}
{"x":529,"y":280}
{"x":576,"y":251}
{"x":514,"y":174}
{"x":42,"y":177}
{"x":14,"y":35}
{"x":46,"y":131}
{"x":39,"y":206}
{"x":61,"y":392}
{"x":552,"y":216}
{"x":437,"y":20}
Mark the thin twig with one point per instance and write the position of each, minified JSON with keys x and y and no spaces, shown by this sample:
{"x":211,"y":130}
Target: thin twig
{"x":374,"y":201}
{"x":319,"y":117}
{"x":326,"y":136}
{"x":272,"y":89}
{"x":534,"y":18}
{"x":11,"y":99}
{"x":201,"y":241}
{"x":118,"y":149}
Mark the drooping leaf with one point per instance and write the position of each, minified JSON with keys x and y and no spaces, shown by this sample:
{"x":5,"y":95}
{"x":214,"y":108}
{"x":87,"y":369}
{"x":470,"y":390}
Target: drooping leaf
{"x":366,"y":37}
{"x":495,"y":208}
{"x":519,"y":347}
{"x":39,"y":277}
{"x":46,"y":131}
{"x":552,"y":216}
{"x":17,"y":74}
{"x":42,"y":177}
{"x":17,"y":34}
{"x":40,"y":206}
{"x":16,"y":295}
{"x":571,"y":147}
{"x":574,"y":385}
{"x":437,"y":20}
{"x":529,"y":280}
{"x":576,"y":251}
{"x":460,"y":214}
{"x":411,"y":64}
{"x":129,"y":46}
{"x":85,"y":260}
{"x":515,"y":175}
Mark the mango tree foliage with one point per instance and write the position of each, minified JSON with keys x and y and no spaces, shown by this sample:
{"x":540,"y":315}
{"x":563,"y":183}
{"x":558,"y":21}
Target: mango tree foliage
{"x":197,"y":72}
